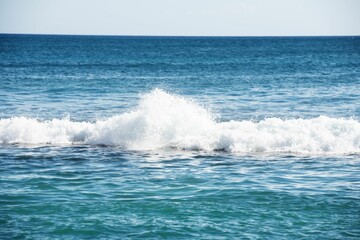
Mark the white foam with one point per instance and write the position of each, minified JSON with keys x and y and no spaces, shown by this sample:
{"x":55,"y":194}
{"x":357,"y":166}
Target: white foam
{"x":166,"y":121}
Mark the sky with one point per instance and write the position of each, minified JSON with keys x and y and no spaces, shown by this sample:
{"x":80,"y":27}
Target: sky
{"x":182,"y":17}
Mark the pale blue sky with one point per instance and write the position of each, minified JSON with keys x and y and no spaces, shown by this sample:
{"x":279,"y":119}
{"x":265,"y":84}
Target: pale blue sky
{"x":182,"y":17}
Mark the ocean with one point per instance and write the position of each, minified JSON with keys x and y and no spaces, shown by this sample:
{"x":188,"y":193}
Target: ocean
{"x":124,"y":137}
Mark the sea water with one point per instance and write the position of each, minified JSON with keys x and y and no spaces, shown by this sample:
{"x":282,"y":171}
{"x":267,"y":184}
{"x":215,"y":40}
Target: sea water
{"x":179,"y":137}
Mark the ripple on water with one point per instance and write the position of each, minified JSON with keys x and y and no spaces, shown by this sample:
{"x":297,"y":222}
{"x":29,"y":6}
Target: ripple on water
{"x":93,"y":192}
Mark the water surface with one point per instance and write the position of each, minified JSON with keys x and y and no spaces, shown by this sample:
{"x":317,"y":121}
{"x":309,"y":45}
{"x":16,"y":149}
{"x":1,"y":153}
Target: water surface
{"x":179,"y":138}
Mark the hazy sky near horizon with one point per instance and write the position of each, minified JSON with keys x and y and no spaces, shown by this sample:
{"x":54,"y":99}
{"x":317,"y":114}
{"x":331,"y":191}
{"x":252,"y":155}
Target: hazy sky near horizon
{"x":182,"y":17}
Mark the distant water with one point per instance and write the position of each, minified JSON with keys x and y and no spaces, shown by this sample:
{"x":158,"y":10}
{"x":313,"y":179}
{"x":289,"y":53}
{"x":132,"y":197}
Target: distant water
{"x":179,"y":138}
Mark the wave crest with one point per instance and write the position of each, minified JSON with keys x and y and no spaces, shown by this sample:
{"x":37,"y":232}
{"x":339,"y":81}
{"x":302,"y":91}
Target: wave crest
{"x":163,"y":121}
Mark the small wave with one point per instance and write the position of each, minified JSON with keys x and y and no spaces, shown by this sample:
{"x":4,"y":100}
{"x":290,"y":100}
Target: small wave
{"x":168,"y":121}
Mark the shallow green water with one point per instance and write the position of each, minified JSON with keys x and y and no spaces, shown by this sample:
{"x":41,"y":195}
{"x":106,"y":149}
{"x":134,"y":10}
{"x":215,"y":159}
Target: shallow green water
{"x":52,"y":192}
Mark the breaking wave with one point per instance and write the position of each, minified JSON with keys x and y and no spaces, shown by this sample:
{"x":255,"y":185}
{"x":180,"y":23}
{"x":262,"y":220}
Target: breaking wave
{"x":167,"y":121}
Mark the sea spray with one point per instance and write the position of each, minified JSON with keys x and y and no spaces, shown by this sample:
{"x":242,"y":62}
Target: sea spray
{"x":167,"y":121}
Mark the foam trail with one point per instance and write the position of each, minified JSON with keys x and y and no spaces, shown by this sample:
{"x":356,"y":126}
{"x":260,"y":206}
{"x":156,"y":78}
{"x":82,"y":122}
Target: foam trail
{"x":167,"y":121}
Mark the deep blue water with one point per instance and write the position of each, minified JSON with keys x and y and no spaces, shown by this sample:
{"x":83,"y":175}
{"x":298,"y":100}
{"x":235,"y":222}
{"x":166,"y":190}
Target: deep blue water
{"x":179,"y":138}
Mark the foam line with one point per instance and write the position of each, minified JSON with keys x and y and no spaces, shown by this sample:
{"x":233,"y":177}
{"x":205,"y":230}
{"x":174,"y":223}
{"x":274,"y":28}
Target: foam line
{"x":167,"y":121}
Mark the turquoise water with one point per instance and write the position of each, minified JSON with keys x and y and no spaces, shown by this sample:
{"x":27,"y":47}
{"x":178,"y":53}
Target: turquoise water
{"x":179,"y":138}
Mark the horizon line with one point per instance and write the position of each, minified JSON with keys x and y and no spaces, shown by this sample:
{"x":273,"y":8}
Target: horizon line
{"x":179,"y":36}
